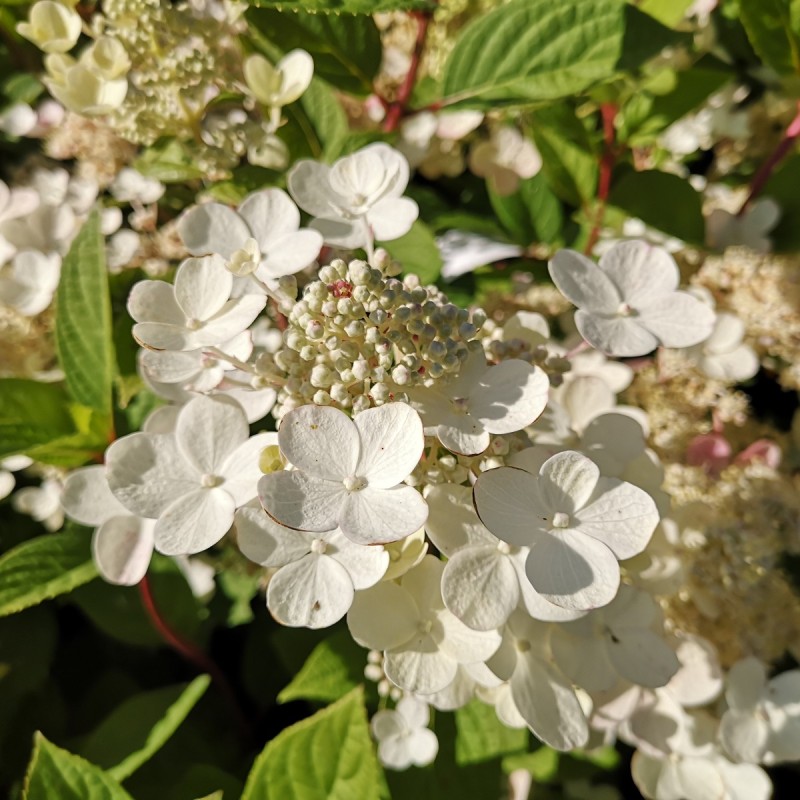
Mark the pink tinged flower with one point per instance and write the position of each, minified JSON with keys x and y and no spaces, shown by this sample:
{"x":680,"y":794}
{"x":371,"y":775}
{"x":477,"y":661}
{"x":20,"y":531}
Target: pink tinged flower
{"x":122,"y":544}
{"x":711,"y":451}
{"x":197,"y":311}
{"x":628,"y":303}
{"x":268,"y":217}
{"x":317,"y":573}
{"x":348,"y":473}
{"x":576,"y":523}
{"x":358,"y":194}
{"x":403,"y":736}
{"x":423,"y":642}
{"x":482,"y":401}
{"x":190,"y":481}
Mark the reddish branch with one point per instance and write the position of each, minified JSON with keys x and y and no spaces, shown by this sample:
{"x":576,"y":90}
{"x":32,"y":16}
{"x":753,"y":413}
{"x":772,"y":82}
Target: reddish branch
{"x":396,"y":110}
{"x":189,"y":651}
{"x":765,"y":171}
{"x":608,"y":112}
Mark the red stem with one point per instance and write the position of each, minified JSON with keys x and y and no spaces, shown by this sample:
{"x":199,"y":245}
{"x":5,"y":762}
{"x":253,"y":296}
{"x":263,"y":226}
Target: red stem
{"x":189,"y":651}
{"x":608,"y":112}
{"x":397,"y":109}
{"x":765,"y":171}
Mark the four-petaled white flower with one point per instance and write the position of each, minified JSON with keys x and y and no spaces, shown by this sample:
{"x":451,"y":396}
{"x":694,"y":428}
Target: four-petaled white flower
{"x":403,"y":736}
{"x":30,"y":282}
{"x":190,"y":481}
{"x":318,"y":573}
{"x":348,"y":473}
{"x":505,"y":158}
{"x":266,"y":225}
{"x":723,"y":355}
{"x":749,"y":229}
{"x":196,"y":312}
{"x":628,"y":303}
{"x":576,"y":523}
{"x":358,"y":198}
{"x":483,"y":400}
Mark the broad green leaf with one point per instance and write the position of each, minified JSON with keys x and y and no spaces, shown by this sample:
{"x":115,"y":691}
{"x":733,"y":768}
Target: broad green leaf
{"x":417,"y":252}
{"x":773,"y":27}
{"x":532,"y":214}
{"x":541,"y":763}
{"x":661,"y":200}
{"x":668,"y":12}
{"x":570,"y":163}
{"x":335,"y":667}
{"x":782,"y":187}
{"x":328,"y":756}
{"x":32,"y":414}
{"x":45,"y":567}
{"x":55,"y":774}
{"x":481,"y":736}
{"x":22,"y":87}
{"x":326,"y":116}
{"x":83,"y":319}
{"x":346,"y":6}
{"x":537,"y":50}
{"x":138,"y":729}
{"x":346,"y":49}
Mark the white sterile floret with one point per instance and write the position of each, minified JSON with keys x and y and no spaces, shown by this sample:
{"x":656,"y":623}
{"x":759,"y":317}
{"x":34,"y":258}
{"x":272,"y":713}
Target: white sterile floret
{"x":130,"y":186}
{"x":463,"y":252}
{"x":317,"y":573}
{"x":81,"y":87}
{"x":196,"y":312}
{"x":423,"y":642}
{"x":358,"y":199}
{"x":628,"y":303}
{"x":481,"y":401}
{"x":18,"y":120}
{"x":266,"y":225}
{"x":748,"y":229}
{"x":543,"y":696}
{"x":42,"y":503}
{"x":762,"y":723}
{"x":484,"y":578}
{"x":52,"y":27}
{"x":723,"y":355}
{"x":191,"y":480}
{"x":8,"y":466}
{"x":348,"y":473}
{"x":576,"y":523}
{"x":621,"y":640}
{"x":282,"y":84}
{"x":403,"y":736}
{"x":122,"y":544}
{"x":29,"y":282}
{"x":505,"y":158}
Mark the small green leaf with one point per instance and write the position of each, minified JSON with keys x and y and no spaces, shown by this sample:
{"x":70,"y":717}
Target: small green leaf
{"x":663,"y":201}
{"x":532,"y":214}
{"x":772,"y":27}
{"x":45,"y":567}
{"x":169,"y":162}
{"x":345,"y":6}
{"x":328,"y":756}
{"x":667,"y":12}
{"x":347,"y":50}
{"x":55,"y":774}
{"x":327,"y":118}
{"x":481,"y":736}
{"x":417,"y":252}
{"x":145,"y":722}
{"x":83,"y":321}
{"x":22,"y":87}
{"x":335,"y":667}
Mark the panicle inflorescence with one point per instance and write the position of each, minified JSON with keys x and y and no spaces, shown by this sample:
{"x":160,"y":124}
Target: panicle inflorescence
{"x":358,"y":338}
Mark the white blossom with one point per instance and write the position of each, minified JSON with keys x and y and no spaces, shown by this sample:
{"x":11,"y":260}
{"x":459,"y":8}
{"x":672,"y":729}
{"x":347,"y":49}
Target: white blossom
{"x":464,"y":251}
{"x":403,"y":736}
{"x":628,"y":303}
{"x":749,"y":229}
{"x":30,"y":281}
{"x":130,"y":186}
{"x":282,"y":84}
{"x":504,"y":158}
{"x":724,"y":356}
{"x":42,"y":503}
{"x":51,"y":26}
{"x":348,"y":473}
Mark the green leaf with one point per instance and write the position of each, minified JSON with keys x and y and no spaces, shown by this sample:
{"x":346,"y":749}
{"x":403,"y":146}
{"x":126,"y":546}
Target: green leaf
{"x":55,"y":774}
{"x":335,"y":667}
{"x":772,"y":27}
{"x":345,"y":6}
{"x":570,"y":164}
{"x":347,"y":50}
{"x":22,"y":87}
{"x":45,"y":567}
{"x":532,"y":214}
{"x":529,"y":51}
{"x":83,"y":319}
{"x":541,"y":763}
{"x":144,"y":722}
{"x":168,"y":161}
{"x":327,"y":117}
{"x":481,"y":736}
{"x":667,"y":12}
{"x":417,"y":252}
{"x":328,"y":756}
{"x":782,"y":187}
{"x":663,"y":201}
{"x":32,"y":414}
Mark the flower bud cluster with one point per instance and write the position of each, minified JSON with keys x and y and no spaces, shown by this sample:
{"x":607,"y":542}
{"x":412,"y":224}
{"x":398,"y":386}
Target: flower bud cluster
{"x":358,"y":339}
{"x":553,"y":364}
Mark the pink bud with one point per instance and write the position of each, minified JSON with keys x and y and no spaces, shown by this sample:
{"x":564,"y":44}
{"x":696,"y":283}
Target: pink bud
{"x":712,"y":451}
{"x":761,"y":450}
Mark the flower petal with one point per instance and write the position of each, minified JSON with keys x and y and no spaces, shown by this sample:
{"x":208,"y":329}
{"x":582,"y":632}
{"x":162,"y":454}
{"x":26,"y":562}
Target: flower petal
{"x":241,"y":470}
{"x":301,"y":501}
{"x":122,"y":548}
{"x":583,"y":283}
{"x":290,"y":254}
{"x":87,"y":499}
{"x":270,"y":214}
{"x":392,"y":218}
{"x":616,"y":336}
{"x":378,"y":516}
{"x":365,"y":565}
{"x":640,"y":271}
{"x":678,"y":320}
{"x":202,"y":286}
{"x":194,"y":522}
{"x":265,"y":542}
{"x":567,"y":480}
{"x":213,"y":228}
{"x":421,"y":668}
{"x":383,"y":617}
{"x":509,"y":505}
